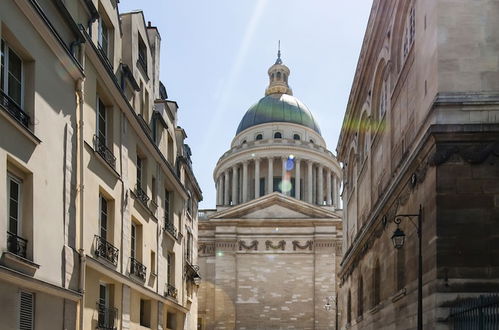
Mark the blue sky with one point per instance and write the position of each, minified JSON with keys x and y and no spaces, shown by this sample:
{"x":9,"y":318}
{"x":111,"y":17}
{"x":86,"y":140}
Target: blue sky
{"x":215,"y":56}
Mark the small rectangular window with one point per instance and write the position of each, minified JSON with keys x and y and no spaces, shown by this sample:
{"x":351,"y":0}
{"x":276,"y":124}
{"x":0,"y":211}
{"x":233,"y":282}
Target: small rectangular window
{"x":133,"y":241}
{"x":145,"y":313}
{"x":26,"y":310}
{"x":103,"y":217}
{"x":139,"y":172}
{"x":12,"y":73}
{"x":15,"y":206}
{"x":153,"y":262}
{"x":142,"y":54}
{"x":103,"y":36}
{"x":167,"y":206}
{"x":101,"y":122}
{"x":170,"y":259}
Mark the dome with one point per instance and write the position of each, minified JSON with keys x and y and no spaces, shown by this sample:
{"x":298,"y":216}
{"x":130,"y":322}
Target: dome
{"x":275,"y":108}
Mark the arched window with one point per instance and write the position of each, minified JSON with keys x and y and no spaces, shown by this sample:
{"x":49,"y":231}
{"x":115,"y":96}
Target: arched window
{"x":360,"y":297}
{"x":277,"y":135}
{"x":272,"y":77}
{"x":409,"y":33}
{"x":363,"y":131}
{"x":312,"y":141}
{"x":296,"y":137}
{"x":244,"y":141}
{"x":259,"y":137}
{"x":285,"y":77}
{"x":278,"y":76}
{"x":350,"y":166}
{"x":383,"y":99}
{"x":349,"y":307}
{"x":376,"y":284}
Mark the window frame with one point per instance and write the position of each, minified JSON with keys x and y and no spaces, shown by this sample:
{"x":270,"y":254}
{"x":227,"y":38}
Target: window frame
{"x":6,"y":50}
{"x":12,"y":178}
{"x":100,"y":104}
{"x":106,"y":214}
{"x":277,"y":133}
{"x":100,"y":34}
{"x":133,"y":241}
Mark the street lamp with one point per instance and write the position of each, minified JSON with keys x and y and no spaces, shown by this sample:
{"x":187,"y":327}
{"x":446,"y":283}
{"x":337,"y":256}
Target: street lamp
{"x":328,"y":306}
{"x":398,"y":239}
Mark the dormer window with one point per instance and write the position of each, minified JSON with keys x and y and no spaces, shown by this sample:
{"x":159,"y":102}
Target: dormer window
{"x":277,"y":135}
{"x":312,"y":141}
{"x":259,"y":137}
{"x":142,"y":54}
{"x":296,"y":137}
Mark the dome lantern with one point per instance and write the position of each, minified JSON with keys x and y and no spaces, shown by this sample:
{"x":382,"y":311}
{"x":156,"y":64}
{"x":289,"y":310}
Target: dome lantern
{"x":278,"y":77}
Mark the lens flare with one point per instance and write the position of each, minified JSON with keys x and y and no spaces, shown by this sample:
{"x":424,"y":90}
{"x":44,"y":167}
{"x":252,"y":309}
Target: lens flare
{"x":290,"y":164}
{"x":285,"y":186}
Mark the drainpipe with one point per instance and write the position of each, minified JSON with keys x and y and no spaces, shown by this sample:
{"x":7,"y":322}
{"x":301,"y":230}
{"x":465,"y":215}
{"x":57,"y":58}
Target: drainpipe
{"x":80,"y":195}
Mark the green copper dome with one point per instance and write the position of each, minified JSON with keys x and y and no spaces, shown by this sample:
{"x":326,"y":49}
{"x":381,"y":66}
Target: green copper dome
{"x":275,"y":108}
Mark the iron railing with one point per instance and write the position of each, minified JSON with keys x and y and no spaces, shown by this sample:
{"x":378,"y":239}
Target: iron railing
{"x":141,"y":194}
{"x":14,"y":110}
{"x":16,"y":244}
{"x":106,"y":153}
{"x":480,"y":313}
{"x":137,"y":269}
{"x":106,"y":250}
{"x":106,"y":317}
{"x":170,"y":228}
{"x":171,"y":291}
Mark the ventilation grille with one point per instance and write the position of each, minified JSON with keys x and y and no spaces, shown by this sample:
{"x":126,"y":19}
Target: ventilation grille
{"x":26,"y":311}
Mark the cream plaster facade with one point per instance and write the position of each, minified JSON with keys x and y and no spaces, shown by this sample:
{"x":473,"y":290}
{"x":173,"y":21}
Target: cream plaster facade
{"x":100,"y":221}
{"x":421,"y":129}
{"x":269,"y":253}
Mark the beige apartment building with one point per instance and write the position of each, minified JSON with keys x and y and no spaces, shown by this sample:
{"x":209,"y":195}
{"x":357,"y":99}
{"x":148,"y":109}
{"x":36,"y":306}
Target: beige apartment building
{"x":100,"y":221}
{"x":421,"y":129}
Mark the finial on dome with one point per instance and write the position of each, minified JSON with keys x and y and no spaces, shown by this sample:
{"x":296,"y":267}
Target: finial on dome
{"x":278,"y":61}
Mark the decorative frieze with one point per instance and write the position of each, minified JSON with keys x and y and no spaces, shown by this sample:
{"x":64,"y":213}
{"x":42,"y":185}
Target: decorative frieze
{"x":308,"y":245}
{"x":252,"y":246}
{"x":280,"y":246}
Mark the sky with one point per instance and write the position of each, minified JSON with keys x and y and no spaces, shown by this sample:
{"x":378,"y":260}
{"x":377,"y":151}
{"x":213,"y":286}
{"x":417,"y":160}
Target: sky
{"x":215,"y":56}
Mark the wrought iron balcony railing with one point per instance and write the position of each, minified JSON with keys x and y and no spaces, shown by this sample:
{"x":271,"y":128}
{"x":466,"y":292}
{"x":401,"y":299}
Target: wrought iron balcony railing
{"x":141,"y":194}
{"x":16,"y":244}
{"x":137,"y":269}
{"x":171,"y":291}
{"x":170,"y":228}
{"x":106,"y":250}
{"x":192,"y":272}
{"x":14,"y":110}
{"x":106,"y":318}
{"x":106,"y":153}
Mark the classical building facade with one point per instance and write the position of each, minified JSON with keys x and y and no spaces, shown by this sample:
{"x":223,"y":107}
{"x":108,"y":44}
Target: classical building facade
{"x":421,"y":129}
{"x":269,"y":252}
{"x":100,"y":202}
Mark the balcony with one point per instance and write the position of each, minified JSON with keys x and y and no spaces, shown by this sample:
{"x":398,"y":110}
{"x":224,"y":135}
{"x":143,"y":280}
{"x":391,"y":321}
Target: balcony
{"x":106,"y":317}
{"x":137,"y":269}
{"x":16,"y":244}
{"x":170,"y":228}
{"x":141,"y":194}
{"x":106,"y":250}
{"x":102,"y":149}
{"x":192,"y":272}
{"x":171,"y":291}
{"x":14,"y":110}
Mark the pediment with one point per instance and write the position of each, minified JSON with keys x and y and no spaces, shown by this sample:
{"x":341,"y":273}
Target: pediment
{"x":275,"y":206}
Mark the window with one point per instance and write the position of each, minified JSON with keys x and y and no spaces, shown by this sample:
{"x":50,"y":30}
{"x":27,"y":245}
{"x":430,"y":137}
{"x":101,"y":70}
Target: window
{"x":26,"y":310}
{"x":189,"y":247}
{"x":189,"y":203}
{"x":15,"y":205}
{"x":349,"y":307}
{"x":383,"y":99}
{"x":409,"y":33}
{"x":400,"y":268}
{"x":277,"y":135}
{"x":360,"y":297}
{"x":311,"y":141}
{"x":11,"y":82}
{"x":296,"y":137}
{"x":142,"y":54}
{"x":259,"y":137}
{"x":106,"y":313}
{"x":103,"y":217}
{"x":154,"y":190}
{"x":145,"y":313}
{"x":171,"y":320}
{"x":244,"y":141}
{"x":103,"y":37}
{"x":170,"y":268}
{"x":278,"y":76}
{"x":140,"y":165}
{"x":133,"y":241}
{"x":101,"y":122}
{"x":168,"y":206}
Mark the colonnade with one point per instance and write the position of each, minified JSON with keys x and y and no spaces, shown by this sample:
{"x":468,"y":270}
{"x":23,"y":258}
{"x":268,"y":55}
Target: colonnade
{"x":304,"y":179}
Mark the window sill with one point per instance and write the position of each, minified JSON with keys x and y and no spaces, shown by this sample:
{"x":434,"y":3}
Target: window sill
{"x":376,"y":309}
{"x":399,"y":295}
{"x":18,"y":263}
{"x":23,"y":129}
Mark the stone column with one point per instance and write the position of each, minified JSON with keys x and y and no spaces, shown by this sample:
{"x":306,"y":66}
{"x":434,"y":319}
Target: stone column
{"x":245,"y":181}
{"x":257,"y":177}
{"x":328,"y":187}
{"x":218,"y":190}
{"x":336,"y":192}
{"x":283,"y":175}
{"x":320,"y":185}
{"x":270,"y":176}
{"x":234,"y":186}
{"x":226,"y":188}
{"x":309,"y":181}
{"x":297,"y":178}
